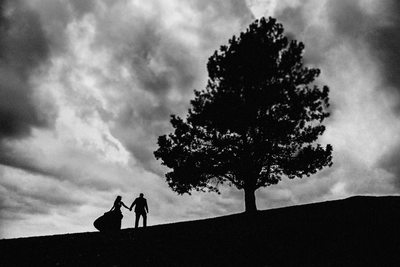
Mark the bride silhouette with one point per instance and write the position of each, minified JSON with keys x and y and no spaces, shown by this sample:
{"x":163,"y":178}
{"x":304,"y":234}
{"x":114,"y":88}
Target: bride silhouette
{"x":111,"y":220}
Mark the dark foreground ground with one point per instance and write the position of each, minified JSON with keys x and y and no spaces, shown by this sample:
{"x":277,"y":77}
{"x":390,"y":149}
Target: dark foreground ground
{"x":359,"y":231}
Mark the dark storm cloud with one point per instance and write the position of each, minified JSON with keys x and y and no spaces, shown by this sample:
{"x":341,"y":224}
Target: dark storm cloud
{"x":385,"y":43}
{"x":25,"y":197}
{"x":62,"y":167}
{"x":82,"y":7}
{"x":348,"y":22}
{"x":349,"y":19}
{"x":377,"y":31}
{"x":56,"y":16}
{"x":163,"y":60}
{"x":380,"y":32}
{"x":160,"y":60}
{"x":157,"y":60}
{"x":296,"y":17}
{"x":31,"y":34}
{"x":23,"y":49}
{"x":9,"y":157}
{"x":35,"y":199}
{"x":390,"y":163}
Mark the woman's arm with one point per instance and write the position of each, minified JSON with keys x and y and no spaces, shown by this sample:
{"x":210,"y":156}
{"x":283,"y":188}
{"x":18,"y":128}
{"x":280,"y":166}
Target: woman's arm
{"x":123,"y":204}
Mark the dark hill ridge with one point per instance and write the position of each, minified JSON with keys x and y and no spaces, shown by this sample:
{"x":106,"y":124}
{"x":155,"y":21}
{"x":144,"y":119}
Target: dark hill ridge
{"x":358,"y":231}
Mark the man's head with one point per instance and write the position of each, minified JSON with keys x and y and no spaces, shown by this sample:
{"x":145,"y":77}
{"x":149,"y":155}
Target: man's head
{"x":141,"y":195}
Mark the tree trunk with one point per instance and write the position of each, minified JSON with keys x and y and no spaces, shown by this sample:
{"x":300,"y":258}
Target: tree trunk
{"x":250,"y":200}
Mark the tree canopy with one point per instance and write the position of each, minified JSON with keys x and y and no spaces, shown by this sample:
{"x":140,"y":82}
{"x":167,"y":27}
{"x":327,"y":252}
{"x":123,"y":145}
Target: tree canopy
{"x":257,"y":120}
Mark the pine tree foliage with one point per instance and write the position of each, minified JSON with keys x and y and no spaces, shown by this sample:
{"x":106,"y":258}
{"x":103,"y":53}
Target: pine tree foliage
{"x":257,"y":121}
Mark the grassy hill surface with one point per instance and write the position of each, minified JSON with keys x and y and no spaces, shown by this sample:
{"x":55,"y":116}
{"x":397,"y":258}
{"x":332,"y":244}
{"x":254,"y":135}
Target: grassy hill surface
{"x":358,"y":231}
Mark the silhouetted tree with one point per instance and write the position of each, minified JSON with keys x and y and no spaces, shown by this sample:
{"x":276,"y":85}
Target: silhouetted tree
{"x":257,"y":121}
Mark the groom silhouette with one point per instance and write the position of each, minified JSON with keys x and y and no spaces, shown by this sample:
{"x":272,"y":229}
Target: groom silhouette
{"x":141,"y":209}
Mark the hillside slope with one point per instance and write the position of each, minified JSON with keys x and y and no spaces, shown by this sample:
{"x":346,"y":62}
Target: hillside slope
{"x":358,"y":231}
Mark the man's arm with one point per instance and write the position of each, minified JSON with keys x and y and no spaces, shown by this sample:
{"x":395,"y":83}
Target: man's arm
{"x":145,"y":206}
{"x":133,"y":204}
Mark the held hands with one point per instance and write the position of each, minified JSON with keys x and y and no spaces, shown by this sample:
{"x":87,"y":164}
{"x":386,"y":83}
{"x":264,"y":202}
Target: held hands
{"x":130,"y":208}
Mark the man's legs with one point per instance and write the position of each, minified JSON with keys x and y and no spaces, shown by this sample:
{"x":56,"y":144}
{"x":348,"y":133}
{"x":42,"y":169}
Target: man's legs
{"x":137,"y":219}
{"x":144,"y":219}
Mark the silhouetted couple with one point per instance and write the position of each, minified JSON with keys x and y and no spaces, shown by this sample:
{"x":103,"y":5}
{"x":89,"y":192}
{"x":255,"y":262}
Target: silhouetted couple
{"x":111,"y":220}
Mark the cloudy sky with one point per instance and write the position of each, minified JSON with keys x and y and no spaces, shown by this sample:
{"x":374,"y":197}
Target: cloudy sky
{"x":87,"y":86}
